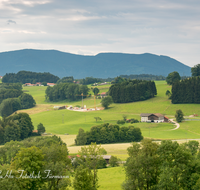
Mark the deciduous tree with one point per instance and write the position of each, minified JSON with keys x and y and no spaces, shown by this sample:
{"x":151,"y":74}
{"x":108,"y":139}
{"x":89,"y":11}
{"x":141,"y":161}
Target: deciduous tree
{"x":173,"y":77}
{"x":179,"y":116}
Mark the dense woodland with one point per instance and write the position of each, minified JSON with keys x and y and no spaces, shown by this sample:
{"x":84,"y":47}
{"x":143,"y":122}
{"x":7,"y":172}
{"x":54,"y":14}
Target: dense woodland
{"x":63,"y":91}
{"x":12,"y":98}
{"x":16,"y":127}
{"x":29,"y":77}
{"x":186,"y":91}
{"x":132,"y":90}
{"x":108,"y":133}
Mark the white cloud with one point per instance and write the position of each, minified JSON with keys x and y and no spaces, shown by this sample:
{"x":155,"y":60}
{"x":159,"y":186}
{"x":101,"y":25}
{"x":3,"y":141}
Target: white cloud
{"x":88,"y":27}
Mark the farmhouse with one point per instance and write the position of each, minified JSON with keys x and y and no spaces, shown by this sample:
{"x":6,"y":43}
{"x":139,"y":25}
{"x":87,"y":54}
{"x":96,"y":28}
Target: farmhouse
{"x":103,"y":94}
{"x":51,"y":84}
{"x":152,"y":117}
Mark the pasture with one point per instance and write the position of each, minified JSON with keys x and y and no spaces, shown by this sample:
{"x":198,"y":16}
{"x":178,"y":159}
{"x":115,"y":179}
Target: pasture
{"x":67,"y":121}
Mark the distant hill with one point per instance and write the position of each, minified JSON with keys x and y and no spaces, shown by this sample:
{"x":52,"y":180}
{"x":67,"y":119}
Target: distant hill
{"x":102,"y":65}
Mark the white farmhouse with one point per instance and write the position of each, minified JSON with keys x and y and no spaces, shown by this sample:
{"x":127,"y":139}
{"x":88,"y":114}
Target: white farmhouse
{"x":152,"y":117}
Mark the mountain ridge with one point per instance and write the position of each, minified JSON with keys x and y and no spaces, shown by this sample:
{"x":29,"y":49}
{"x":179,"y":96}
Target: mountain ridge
{"x":101,"y":65}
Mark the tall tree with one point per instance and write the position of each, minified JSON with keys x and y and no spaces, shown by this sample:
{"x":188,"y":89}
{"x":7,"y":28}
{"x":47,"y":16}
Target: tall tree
{"x":173,"y":77}
{"x":179,"y":116}
{"x":195,"y":70}
{"x":90,"y":159}
{"x":142,"y":167}
{"x":95,"y":91}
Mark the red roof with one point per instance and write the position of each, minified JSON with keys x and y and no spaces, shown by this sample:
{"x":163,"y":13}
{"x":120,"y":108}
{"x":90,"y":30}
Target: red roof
{"x":50,"y":84}
{"x":35,"y":131}
{"x":103,"y":93}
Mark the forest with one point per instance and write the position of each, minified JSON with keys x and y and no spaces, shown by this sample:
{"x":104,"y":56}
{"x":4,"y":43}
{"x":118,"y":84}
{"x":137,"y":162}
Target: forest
{"x":29,"y":77}
{"x":132,"y":90}
{"x":63,"y":91}
{"x":108,"y":133}
{"x":186,"y":91}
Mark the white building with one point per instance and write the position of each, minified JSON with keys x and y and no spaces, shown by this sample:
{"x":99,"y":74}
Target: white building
{"x":152,"y":117}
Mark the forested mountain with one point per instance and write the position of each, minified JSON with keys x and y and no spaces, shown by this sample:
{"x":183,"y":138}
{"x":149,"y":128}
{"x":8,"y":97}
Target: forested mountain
{"x":102,"y":65}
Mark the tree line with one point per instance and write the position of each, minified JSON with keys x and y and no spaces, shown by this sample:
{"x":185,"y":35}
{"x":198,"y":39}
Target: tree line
{"x":108,"y":133}
{"x":165,"y":166}
{"x":29,"y":77}
{"x":144,"y":77}
{"x":124,"y":91}
{"x":186,"y":91}
{"x":66,"y":91}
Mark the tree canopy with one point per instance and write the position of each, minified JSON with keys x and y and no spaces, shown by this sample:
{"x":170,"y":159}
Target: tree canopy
{"x":173,"y":77}
{"x":195,"y":70}
{"x":108,"y":133}
{"x":105,"y":102}
{"x":165,"y":166}
{"x":29,"y":77}
{"x":63,"y":91}
{"x":124,"y":91}
{"x":186,"y":91}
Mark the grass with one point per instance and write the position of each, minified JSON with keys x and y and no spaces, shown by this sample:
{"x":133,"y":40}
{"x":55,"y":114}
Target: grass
{"x":110,"y":178}
{"x":66,"y":121}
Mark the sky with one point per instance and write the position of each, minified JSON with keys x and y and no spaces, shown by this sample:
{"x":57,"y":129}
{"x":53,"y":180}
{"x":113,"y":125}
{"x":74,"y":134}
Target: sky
{"x":89,"y":27}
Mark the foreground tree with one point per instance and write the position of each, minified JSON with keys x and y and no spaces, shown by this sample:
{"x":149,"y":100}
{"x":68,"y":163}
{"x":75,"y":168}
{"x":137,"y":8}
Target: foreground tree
{"x":30,"y":162}
{"x":179,"y":116}
{"x":106,"y":101}
{"x":142,"y":167}
{"x":173,"y":77}
{"x":90,"y":159}
{"x":83,"y":178}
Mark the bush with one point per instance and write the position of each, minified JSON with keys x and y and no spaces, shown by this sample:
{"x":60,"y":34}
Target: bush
{"x":101,"y":163}
{"x":114,"y":161}
{"x":120,"y":122}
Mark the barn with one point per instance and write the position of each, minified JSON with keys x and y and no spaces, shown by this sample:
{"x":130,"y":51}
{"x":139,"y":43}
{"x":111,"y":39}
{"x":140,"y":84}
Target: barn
{"x":152,"y":117}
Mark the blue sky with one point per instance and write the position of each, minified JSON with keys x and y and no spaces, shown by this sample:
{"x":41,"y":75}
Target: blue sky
{"x":88,"y":27}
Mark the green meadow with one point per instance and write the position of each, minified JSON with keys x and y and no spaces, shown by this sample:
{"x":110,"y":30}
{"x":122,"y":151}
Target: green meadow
{"x":69,"y":122}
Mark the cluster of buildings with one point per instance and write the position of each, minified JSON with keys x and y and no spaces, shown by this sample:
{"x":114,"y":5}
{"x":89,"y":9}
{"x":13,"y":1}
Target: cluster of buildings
{"x":39,"y":84}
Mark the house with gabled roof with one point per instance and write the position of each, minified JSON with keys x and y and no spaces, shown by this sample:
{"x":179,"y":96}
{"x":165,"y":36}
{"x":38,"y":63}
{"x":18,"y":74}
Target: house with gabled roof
{"x":152,"y":117}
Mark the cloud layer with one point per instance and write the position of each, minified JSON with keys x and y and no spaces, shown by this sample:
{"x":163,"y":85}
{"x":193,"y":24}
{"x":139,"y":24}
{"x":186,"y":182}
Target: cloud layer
{"x":166,"y":27}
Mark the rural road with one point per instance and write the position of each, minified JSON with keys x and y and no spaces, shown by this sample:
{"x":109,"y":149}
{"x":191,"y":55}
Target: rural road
{"x":177,"y":124}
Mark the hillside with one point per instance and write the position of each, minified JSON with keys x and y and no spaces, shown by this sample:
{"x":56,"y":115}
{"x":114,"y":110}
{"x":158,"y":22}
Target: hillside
{"x":102,"y":65}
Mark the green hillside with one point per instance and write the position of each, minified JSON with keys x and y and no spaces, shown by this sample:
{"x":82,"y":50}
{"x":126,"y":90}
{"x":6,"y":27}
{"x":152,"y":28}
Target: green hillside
{"x":66,"y":121}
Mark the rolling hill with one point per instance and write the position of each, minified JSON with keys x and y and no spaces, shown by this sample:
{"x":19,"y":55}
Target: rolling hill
{"x":102,"y":65}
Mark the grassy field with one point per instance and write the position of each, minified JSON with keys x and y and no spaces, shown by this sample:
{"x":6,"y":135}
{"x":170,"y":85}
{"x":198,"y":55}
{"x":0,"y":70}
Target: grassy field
{"x":66,"y":121}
